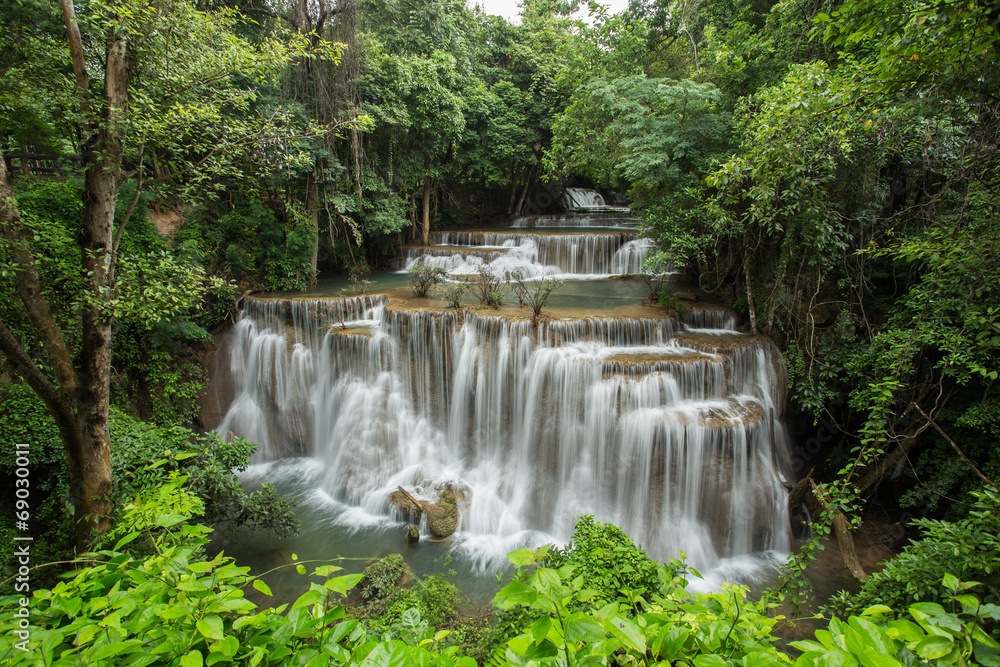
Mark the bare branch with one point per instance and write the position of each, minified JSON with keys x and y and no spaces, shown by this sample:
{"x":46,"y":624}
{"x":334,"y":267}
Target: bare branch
{"x":961,"y":454}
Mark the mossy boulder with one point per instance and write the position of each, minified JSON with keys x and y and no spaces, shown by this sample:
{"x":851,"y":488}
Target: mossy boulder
{"x":382,"y":577}
{"x":442,"y":516}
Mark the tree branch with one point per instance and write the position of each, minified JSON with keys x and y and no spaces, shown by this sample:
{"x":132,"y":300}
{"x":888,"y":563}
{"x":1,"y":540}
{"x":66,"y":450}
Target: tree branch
{"x":128,"y":215}
{"x":29,"y":286}
{"x":961,"y":454}
{"x":26,"y":368}
{"x":78,"y":58}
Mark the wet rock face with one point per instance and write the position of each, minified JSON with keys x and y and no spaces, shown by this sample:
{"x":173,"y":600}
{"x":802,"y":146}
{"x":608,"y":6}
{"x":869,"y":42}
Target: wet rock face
{"x":401,"y":502}
{"x":442,"y":516}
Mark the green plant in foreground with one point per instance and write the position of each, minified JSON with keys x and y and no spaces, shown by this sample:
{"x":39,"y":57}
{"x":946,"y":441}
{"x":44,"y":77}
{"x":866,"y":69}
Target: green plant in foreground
{"x":176,"y":607}
{"x":179,"y":607}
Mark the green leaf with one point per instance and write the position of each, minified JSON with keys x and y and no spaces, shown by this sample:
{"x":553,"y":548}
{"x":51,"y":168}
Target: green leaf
{"x":932,"y":648}
{"x":309,"y":597}
{"x":343,"y":584}
{"x":826,"y":659}
{"x":541,"y":651}
{"x":262,"y":587}
{"x":192,"y":659}
{"x":522,"y":557}
{"x":582,"y":628}
{"x":515,"y":594}
{"x":627,"y":631}
{"x":210,"y":627}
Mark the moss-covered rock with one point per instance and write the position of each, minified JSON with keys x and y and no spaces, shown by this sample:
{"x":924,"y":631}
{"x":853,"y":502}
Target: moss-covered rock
{"x":442,"y":516}
{"x":381,"y":577}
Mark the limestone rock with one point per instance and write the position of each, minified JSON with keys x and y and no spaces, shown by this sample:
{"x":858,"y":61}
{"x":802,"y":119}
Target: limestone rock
{"x":442,"y":516}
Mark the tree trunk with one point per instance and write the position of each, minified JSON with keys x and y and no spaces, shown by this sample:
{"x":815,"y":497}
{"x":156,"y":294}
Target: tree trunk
{"x":312,"y":210}
{"x":527,"y":184}
{"x":751,"y":308}
{"x":425,"y":228}
{"x":513,"y":191}
{"x":842,"y":530}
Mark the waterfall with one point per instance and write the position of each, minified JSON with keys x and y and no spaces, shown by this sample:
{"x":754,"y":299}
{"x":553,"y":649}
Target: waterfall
{"x":666,"y":429}
{"x":535,"y":255}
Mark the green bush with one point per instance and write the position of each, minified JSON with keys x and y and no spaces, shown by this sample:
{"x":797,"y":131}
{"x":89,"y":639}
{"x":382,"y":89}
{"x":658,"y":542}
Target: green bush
{"x":968,"y":549}
{"x":609,"y":562}
{"x":380,"y":578}
{"x":178,"y":607}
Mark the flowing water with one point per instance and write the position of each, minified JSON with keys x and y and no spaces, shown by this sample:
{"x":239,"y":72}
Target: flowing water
{"x":570,"y":253}
{"x":670,"y":429}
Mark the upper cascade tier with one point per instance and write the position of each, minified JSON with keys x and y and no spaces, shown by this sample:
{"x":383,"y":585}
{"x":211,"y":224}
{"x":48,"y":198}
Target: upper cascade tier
{"x":583,"y":199}
{"x":535,"y":255}
{"x":639,"y":421}
{"x":613,"y":218}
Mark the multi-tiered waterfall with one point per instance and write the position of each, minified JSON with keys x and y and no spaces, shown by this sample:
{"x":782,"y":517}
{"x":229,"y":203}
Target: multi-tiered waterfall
{"x":669,"y":429}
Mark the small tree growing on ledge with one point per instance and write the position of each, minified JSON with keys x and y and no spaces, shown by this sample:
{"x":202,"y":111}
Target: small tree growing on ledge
{"x":452,"y":293}
{"x":489,"y":286}
{"x":423,"y":276}
{"x":533,"y":293}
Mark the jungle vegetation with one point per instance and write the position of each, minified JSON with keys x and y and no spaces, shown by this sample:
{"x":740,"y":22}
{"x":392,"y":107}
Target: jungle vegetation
{"x":828,"y":169}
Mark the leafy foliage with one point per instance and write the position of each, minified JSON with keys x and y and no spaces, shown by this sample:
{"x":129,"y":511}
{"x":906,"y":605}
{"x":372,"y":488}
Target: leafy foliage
{"x":963,"y":551}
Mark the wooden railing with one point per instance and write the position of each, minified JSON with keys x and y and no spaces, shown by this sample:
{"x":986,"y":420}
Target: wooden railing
{"x":39,"y":163}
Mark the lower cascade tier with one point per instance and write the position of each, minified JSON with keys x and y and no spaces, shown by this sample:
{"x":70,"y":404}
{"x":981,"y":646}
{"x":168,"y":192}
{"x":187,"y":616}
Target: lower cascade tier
{"x":670,"y":431}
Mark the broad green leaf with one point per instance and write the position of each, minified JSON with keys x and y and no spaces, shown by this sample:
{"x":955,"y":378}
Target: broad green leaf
{"x":932,"y":648}
{"x":210,"y":627}
{"x":514,"y":594}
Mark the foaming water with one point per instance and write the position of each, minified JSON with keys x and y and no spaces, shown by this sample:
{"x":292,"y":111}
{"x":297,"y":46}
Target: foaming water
{"x":575,"y":256}
{"x":676,"y":440}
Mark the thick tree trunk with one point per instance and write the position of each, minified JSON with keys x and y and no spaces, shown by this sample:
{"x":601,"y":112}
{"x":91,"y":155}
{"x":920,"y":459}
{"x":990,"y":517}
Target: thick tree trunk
{"x":92,"y":448}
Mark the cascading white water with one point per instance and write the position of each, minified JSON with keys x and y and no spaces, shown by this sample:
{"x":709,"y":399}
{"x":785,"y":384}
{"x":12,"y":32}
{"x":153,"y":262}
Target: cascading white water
{"x":536,"y":255}
{"x":623,"y":218}
{"x":667,"y":433}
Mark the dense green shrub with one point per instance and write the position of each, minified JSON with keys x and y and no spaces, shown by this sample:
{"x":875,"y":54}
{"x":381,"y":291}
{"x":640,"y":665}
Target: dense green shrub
{"x":179,"y":607}
{"x":968,"y":549}
{"x":609,"y":562}
{"x":252,"y":245}
{"x":380,"y":578}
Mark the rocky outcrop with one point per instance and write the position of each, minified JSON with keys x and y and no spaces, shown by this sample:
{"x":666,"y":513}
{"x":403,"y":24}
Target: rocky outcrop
{"x":442,"y":516}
